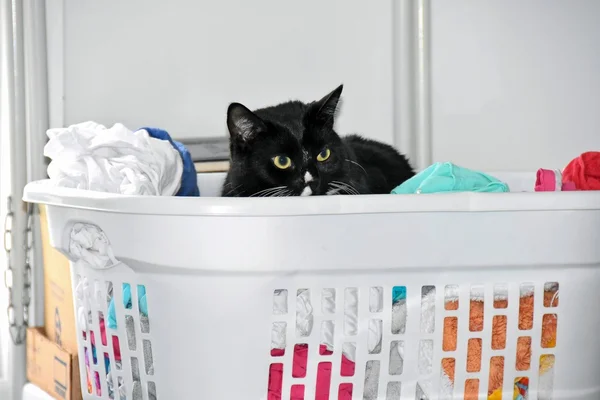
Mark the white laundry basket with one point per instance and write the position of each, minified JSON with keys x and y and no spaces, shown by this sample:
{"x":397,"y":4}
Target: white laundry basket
{"x":225,"y":293}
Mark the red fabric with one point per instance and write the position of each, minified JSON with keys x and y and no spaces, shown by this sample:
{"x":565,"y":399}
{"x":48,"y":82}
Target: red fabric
{"x":277,"y":352}
{"x":323,"y":381}
{"x":103,"y":331}
{"x":347,"y":368}
{"x":584,"y":171}
{"x":115,"y":340}
{"x":297,"y":392}
{"x":299,"y":370}
{"x":275,"y":381}
{"x":116,"y":348}
{"x":300,"y":361}
{"x":324,"y":351}
{"x":345,"y":391}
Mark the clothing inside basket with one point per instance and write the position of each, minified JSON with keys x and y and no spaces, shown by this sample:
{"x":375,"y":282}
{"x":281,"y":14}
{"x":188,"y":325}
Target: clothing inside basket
{"x":84,"y":298}
{"x":304,"y":326}
{"x":497,"y":366}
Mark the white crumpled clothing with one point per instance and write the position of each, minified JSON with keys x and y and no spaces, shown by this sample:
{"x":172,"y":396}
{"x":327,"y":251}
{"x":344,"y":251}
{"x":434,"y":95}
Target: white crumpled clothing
{"x":90,"y":244}
{"x":305,"y":320}
{"x":83,"y":303}
{"x":116,"y":160}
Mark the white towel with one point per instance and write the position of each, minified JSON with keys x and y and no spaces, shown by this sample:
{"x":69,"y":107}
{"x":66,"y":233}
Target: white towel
{"x":117,"y":160}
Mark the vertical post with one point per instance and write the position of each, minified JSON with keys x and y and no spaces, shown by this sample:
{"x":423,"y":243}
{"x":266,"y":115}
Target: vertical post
{"x":55,"y":45}
{"x":36,"y":92}
{"x":423,"y":92}
{"x":412,"y":80}
{"x":404,"y":52}
{"x":13,"y":53}
{"x":36,"y":86}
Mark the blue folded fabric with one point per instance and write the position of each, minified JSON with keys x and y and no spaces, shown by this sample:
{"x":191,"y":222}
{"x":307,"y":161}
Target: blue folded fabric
{"x":447,"y":177}
{"x":189,"y":182}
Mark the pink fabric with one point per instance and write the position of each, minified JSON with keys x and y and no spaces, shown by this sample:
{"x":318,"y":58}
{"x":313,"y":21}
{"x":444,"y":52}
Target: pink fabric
{"x":323,"y":380}
{"x":103,"y":331}
{"x":88,"y":368}
{"x":300,"y":360}
{"x":584,"y":171}
{"x":568,"y":186}
{"x":116,"y":348}
{"x":115,"y":340}
{"x":546,"y":180}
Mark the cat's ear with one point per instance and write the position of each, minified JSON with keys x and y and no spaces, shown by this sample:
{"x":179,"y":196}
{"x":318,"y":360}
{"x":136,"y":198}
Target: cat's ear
{"x":242,"y":123}
{"x":323,"y":111}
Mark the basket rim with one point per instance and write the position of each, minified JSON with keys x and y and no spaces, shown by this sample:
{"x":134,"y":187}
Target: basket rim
{"x":45,"y":192}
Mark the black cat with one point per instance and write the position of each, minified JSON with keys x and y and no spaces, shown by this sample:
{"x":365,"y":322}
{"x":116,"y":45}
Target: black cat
{"x":292,"y":150}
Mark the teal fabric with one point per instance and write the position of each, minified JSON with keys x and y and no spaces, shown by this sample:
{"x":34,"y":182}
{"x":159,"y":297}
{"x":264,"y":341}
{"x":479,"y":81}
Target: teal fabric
{"x":142,"y":303}
{"x":447,"y":177}
{"x":398,"y":293}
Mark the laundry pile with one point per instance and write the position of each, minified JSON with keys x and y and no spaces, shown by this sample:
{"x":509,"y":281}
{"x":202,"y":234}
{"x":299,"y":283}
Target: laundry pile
{"x":117,"y":160}
{"x":582,"y":173}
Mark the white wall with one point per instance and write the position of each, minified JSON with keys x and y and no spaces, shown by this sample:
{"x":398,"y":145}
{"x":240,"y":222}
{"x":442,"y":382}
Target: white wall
{"x":515,"y":85}
{"x":178,"y":64}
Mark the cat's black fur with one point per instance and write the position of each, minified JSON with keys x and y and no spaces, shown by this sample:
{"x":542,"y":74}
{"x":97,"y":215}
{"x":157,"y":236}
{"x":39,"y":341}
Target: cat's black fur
{"x":301,"y":131}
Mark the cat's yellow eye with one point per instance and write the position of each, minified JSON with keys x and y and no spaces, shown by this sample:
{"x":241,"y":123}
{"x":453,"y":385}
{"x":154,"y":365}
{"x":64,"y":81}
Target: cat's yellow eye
{"x":282,"y":162}
{"x":324,"y":155}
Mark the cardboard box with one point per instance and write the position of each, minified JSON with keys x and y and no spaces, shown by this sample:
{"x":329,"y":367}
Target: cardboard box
{"x":59,"y":313}
{"x":211,"y":166}
{"x":51,"y":367}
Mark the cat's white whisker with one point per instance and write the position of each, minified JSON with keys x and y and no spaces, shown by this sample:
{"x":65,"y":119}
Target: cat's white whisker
{"x":343,"y":186}
{"x":357,"y":164}
{"x":337,"y":189}
{"x":352,"y":188}
{"x":268,"y":193}
{"x":264,"y":192}
{"x":275,"y":194}
{"x":284,"y":192}
{"x":234,"y":189}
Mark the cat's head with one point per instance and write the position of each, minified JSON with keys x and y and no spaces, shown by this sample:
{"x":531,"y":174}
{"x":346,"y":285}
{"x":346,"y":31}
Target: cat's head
{"x":287,"y":150}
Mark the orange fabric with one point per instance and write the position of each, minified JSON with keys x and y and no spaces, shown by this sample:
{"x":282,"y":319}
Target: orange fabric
{"x":474,"y":355}
{"x":584,"y":171}
{"x":476,"y":318}
{"x":524,"y":361}
{"x":472,"y":389}
{"x":450,"y":333}
{"x":499,"y":332}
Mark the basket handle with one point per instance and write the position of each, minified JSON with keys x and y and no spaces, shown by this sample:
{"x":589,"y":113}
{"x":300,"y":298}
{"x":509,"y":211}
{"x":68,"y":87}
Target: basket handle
{"x":87,"y":242}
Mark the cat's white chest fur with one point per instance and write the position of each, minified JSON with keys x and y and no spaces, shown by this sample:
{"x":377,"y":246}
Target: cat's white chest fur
{"x":307,"y":179}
